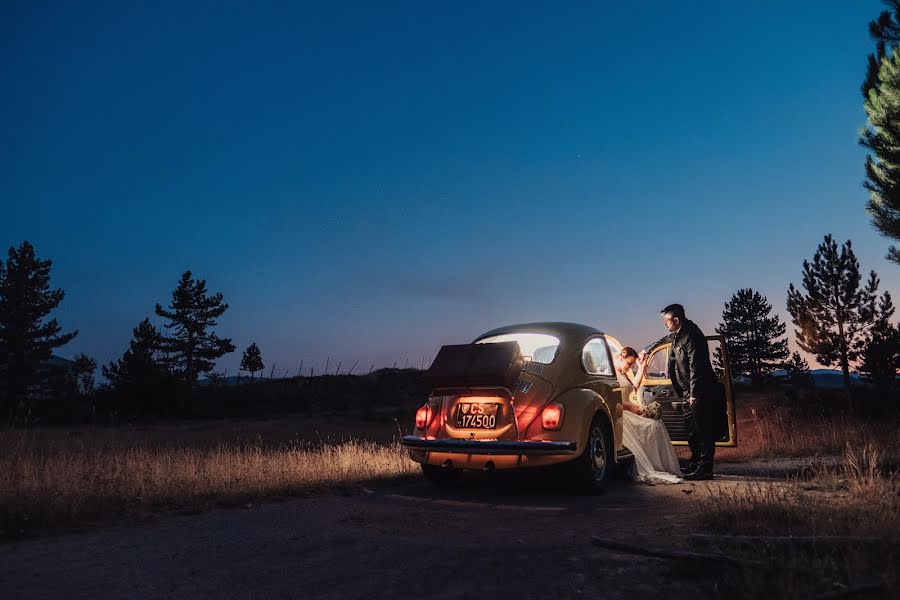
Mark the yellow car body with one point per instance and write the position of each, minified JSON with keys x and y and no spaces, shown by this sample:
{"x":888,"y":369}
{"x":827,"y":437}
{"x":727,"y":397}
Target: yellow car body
{"x":510,"y":429}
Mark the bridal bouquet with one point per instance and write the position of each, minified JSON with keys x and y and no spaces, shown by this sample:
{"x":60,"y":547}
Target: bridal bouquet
{"x":653,"y":411}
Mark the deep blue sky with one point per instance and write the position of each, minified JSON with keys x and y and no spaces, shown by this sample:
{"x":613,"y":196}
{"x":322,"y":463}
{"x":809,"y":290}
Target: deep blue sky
{"x":370,"y":180}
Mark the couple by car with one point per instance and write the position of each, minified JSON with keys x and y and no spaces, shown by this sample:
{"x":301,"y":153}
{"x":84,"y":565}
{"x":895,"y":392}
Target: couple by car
{"x":694,"y":379}
{"x":569,"y":397}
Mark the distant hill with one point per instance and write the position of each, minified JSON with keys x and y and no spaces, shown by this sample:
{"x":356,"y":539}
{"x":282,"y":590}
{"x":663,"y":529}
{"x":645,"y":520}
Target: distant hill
{"x":59,"y":361}
{"x":233,"y":380}
{"x":827,"y":378}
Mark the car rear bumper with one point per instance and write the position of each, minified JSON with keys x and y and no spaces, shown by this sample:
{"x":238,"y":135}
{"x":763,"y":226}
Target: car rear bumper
{"x":493,"y":447}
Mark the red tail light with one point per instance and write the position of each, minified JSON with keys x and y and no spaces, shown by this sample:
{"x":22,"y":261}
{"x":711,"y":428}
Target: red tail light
{"x":552,"y":416}
{"x":423,"y":416}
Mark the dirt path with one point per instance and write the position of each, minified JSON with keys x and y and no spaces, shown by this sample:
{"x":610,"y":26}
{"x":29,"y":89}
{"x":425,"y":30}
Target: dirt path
{"x":505,"y":536}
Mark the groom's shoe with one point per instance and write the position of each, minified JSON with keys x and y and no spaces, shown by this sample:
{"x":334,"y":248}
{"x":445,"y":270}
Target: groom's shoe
{"x":690,"y":468}
{"x":699,"y":474}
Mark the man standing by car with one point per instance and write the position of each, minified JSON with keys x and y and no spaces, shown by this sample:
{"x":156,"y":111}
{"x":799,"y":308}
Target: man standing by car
{"x":695,"y":381}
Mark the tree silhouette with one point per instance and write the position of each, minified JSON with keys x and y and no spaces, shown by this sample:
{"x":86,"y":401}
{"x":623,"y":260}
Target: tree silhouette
{"x":751,"y":332}
{"x":880,"y":357}
{"x":797,"y":369}
{"x":885,"y":30}
{"x":192,"y":348}
{"x":834,"y":313}
{"x":83,"y":369}
{"x":27,"y":337}
{"x":140,"y":378}
{"x":252,"y":360}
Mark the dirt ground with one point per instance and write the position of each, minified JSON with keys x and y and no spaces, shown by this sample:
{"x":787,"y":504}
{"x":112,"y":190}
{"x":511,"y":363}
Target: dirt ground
{"x":509,"y":536}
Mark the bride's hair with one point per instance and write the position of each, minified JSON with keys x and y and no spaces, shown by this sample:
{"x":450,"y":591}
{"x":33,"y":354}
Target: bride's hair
{"x":628,"y":351}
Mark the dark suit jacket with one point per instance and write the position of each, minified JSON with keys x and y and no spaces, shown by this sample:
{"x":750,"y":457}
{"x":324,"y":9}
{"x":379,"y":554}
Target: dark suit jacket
{"x":692,"y":374}
{"x":690,"y":370}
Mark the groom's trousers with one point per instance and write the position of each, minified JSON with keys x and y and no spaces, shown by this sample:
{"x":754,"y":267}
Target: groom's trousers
{"x":703,"y":450}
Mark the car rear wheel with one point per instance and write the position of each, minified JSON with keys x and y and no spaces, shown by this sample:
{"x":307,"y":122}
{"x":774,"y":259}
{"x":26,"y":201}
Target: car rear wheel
{"x":440,"y":475}
{"x":592,"y":468}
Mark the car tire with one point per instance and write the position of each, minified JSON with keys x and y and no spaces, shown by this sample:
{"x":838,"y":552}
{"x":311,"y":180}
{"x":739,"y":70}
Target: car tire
{"x":442,"y":476}
{"x":593,"y":468}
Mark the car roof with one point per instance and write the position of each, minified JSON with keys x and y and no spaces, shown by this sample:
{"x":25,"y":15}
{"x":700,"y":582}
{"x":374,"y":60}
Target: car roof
{"x":559,"y":329}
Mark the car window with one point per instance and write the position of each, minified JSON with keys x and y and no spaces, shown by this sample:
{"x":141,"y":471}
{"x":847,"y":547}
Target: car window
{"x":537,"y":347}
{"x":658,"y":367}
{"x":595,"y":357}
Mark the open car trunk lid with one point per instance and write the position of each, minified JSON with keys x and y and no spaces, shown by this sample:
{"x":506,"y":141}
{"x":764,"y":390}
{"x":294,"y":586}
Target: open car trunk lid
{"x":476,"y":366}
{"x":476,"y":383}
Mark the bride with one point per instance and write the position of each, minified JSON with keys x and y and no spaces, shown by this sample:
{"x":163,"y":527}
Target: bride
{"x":655,"y":460}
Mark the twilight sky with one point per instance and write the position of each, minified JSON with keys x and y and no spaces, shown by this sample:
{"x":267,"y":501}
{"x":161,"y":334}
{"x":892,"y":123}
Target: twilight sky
{"x":369,"y":181}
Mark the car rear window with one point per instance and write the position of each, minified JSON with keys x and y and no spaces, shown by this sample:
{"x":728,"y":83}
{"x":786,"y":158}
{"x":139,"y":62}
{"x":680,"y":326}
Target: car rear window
{"x":537,"y":347}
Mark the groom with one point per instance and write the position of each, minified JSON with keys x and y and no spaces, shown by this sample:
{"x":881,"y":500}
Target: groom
{"x":694,"y":380}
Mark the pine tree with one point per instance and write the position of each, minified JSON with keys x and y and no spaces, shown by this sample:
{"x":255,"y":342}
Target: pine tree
{"x":252,"y":360}
{"x":752,"y":333}
{"x":881,"y":90}
{"x":797,"y":369}
{"x":192,"y":348}
{"x":880,"y":357}
{"x":140,"y":378}
{"x":885,"y":30}
{"x":835,"y":312}
{"x":27,"y":337}
{"x":83,"y":369}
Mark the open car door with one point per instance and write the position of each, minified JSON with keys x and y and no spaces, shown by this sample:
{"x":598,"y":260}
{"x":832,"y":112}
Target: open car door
{"x":657,"y":387}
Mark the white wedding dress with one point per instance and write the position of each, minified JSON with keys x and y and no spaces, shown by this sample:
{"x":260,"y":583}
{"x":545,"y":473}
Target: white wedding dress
{"x":655,"y":460}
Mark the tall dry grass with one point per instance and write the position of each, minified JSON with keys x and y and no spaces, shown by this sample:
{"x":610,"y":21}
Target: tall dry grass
{"x":834,"y":532}
{"x":766,"y":431}
{"x":45,"y":486}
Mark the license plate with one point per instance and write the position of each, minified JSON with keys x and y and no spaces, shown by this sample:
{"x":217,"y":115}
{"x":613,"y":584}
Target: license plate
{"x":471,"y":415}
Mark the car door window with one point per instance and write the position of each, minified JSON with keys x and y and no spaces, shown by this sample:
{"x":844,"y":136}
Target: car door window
{"x":614,"y":346}
{"x":716,"y":357}
{"x":658,"y":366}
{"x":595,"y":357}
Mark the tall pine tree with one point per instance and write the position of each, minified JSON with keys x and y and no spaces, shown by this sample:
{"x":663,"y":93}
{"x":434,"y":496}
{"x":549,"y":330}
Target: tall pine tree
{"x":252,"y":360}
{"x":191,"y":346}
{"x":836,"y":310}
{"x":881,"y":90}
{"x":27,"y":336}
{"x":752,"y":333}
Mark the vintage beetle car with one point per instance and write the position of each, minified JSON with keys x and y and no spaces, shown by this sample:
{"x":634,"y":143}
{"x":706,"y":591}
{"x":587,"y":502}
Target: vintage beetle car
{"x":562,"y":406}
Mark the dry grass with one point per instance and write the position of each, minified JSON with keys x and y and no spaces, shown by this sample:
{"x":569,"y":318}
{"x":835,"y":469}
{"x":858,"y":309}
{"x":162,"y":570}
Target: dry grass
{"x":45,"y":486}
{"x":851,"y":512}
{"x":767,"y":431}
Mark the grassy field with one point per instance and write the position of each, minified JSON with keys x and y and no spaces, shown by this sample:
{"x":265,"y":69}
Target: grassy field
{"x":835,"y":532}
{"x":49,"y":486}
{"x":767,"y":430}
{"x":62,"y":477}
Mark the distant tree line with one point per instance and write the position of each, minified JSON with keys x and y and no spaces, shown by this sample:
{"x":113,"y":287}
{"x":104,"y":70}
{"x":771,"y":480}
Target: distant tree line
{"x":165,"y":365}
{"x":158,"y":375}
{"x":157,"y":365}
{"x":839,"y":319}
